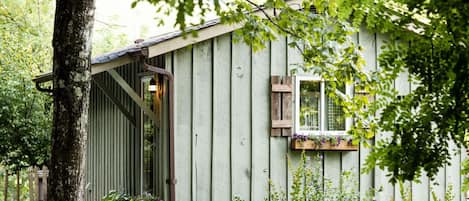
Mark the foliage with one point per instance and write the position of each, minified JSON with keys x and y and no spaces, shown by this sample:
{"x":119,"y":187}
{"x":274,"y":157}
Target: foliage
{"x":24,"y":111}
{"x":465,"y":171}
{"x":427,"y":39}
{"x":309,"y":184}
{"x":24,"y":184}
{"x":108,"y":37}
{"x":118,"y":196}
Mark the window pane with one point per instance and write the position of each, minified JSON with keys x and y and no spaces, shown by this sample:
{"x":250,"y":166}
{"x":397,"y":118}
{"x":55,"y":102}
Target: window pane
{"x":335,"y":117}
{"x":150,"y":131}
{"x":310,"y":105}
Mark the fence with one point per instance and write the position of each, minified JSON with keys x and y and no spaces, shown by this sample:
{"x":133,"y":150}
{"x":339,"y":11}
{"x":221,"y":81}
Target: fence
{"x":38,"y":183}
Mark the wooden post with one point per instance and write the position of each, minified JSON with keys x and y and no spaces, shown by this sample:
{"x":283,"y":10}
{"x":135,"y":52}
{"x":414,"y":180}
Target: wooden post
{"x":18,"y":185}
{"x":6,"y":186}
{"x":45,"y":174}
{"x":31,"y":183}
{"x":36,"y":184}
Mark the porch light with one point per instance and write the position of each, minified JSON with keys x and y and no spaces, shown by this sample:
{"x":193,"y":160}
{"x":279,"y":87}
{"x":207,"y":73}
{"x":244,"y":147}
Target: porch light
{"x":152,"y":87}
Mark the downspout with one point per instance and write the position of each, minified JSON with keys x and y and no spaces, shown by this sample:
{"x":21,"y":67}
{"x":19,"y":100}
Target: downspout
{"x":172,"y":176}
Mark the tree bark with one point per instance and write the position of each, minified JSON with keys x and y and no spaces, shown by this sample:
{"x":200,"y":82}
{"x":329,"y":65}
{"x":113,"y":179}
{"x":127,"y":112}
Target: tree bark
{"x":72,"y":74}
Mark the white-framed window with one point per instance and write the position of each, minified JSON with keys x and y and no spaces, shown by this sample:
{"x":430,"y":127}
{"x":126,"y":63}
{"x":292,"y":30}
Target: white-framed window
{"x":315,"y":112}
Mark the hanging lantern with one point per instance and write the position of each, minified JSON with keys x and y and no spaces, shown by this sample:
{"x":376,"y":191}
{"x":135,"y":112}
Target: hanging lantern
{"x":152,"y":87}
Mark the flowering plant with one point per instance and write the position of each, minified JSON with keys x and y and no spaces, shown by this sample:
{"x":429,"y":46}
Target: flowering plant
{"x":322,"y":139}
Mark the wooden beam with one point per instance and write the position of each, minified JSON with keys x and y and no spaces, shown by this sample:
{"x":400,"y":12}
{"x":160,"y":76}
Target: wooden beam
{"x":180,"y":42}
{"x":281,"y":88}
{"x":282,"y":123}
{"x":107,"y":92}
{"x":135,"y":97}
{"x":120,"y":61}
{"x":95,"y":68}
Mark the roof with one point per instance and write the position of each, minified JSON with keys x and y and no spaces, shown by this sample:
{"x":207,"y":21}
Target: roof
{"x":121,"y":56}
{"x":147,"y":43}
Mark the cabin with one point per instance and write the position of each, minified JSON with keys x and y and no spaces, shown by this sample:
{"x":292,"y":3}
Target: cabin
{"x":207,"y":119}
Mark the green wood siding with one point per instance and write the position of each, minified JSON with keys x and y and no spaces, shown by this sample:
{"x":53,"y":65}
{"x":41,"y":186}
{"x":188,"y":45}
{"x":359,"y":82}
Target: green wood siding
{"x":223,"y":143}
{"x":113,"y":151}
{"x":223,"y":146}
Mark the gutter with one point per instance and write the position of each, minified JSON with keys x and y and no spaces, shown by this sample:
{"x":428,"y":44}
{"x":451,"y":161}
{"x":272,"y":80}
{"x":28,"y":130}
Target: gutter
{"x":170,"y":78}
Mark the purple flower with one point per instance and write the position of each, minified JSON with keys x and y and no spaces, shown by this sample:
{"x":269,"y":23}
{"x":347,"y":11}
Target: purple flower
{"x":299,"y":137}
{"x":338,"y":140}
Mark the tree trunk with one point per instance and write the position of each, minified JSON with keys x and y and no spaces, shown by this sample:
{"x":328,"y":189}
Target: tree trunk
{"x":72,"y":74}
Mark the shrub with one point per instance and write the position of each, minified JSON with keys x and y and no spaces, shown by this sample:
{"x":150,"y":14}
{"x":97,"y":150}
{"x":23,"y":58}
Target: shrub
{"x":119,"y":196}
{"x":309,"y":184}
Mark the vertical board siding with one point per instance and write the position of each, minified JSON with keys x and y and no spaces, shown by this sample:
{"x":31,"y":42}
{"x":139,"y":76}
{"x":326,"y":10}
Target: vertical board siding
{"x":278,"y":145}
{"x":402,"y":85}
{"x":182,"y":67}
{"x":381,"y":180}
{"x":202,"y":119}
{"x":223,"y":146}
{"x":350,"y":161}
{"x":294,"y":61}
{"x":221,"y":151}
{"x":452,"y":172}
{"x":260,"y":95}
{"x":113,"y":155}
{"x":241,"y":120}
{"x":368,"y":42}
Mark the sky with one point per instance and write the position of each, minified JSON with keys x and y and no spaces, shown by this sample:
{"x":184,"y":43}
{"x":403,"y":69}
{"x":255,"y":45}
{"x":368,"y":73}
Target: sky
{"x":138,"y":22}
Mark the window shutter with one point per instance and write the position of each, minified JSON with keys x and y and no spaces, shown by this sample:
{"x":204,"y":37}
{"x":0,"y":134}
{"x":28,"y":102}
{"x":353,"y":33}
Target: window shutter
{"x":281,"y":105}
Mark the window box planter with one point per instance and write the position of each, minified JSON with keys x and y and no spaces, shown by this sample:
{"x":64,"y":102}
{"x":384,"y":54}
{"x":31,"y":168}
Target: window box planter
{"x":343,"y":145}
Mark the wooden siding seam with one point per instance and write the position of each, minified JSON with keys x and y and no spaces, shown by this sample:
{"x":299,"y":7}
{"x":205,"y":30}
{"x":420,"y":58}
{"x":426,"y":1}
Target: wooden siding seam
{"x":193,"y":191}
{"x":231,"y":113}
{"x":250,"y":125}
{"x":212,"y":52}
{"x":287,"y":190}
{"x":269,"y":111}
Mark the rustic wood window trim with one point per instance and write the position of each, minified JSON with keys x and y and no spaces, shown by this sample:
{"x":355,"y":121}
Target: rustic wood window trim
{"x":281,"y":106}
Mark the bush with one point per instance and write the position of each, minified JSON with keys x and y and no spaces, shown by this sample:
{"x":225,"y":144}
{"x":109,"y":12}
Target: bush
{"x":309,"y":184}
{"x":119,"y":196}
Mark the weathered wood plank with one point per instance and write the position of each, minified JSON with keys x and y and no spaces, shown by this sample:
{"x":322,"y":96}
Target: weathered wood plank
{"x":275,"y":105}
{"x":381,"y":180}
{"x":351,"y":159}
{"x":278,"y":146}
{"x":260,"y":124}
{"x":402,"y":85}
{"x":464,"y":156}
{"x":287,"y":108}
{"x":282,"y":124}
{"x":182,"y":114}
{"x":202,"y":118}
{"x":241,"y":120}
{"x":453,"y":176}
{"x":368,"y":42}
{"x":294,"y":62}
{"x":332,"y":169}
{"x":221,"y":180}
{"x":165,"y":133}
{"x":438,"y":185}
{"x":281,"y":88}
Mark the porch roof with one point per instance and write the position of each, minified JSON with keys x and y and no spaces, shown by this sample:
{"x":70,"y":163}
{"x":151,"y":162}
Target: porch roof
{"x":156,"y":45}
